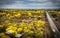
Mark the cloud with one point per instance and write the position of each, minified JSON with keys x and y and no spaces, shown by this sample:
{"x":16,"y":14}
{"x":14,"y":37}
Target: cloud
{"x":41,"y":5}
{"x":14,"y":5}
{"x":29,"y":4}
{"x":38,"y":0}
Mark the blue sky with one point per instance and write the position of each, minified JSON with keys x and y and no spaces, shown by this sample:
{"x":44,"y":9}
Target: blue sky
{"x":29,"y":4}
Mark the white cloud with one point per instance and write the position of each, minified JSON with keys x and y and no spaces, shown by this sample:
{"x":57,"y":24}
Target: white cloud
{"x":21,"y":5}
{"x":25,"y":4}
{"x":47,"y":4}
{"x":38,"y":0}
{"x":17,"y":4}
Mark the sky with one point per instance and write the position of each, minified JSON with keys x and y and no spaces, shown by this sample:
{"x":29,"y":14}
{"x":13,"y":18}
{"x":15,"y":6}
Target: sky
{"x":29,"y":4}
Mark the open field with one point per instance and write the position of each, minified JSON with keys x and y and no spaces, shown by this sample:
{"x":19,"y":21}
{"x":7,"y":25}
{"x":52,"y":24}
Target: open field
{"x":28,"y":23}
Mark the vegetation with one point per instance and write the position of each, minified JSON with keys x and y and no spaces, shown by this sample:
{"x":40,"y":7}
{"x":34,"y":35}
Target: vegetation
{"x":29,"y":23}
